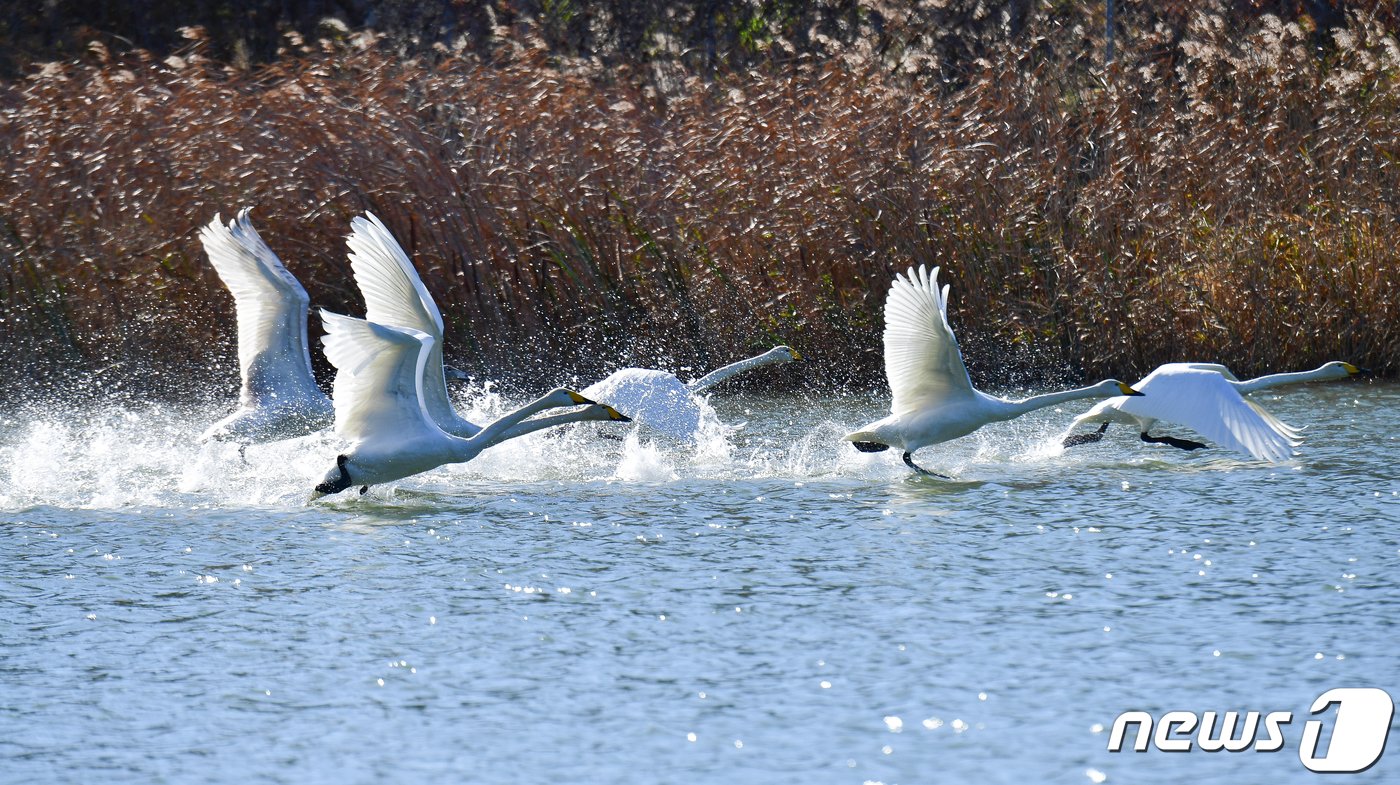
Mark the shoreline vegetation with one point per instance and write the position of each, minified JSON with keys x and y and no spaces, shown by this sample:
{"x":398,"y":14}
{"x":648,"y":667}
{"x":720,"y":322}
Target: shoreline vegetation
{"x":581,"y":196}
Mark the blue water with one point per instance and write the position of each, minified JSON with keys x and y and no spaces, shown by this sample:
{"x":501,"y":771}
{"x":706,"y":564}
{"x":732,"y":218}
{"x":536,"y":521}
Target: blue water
{"x":770,"y":608}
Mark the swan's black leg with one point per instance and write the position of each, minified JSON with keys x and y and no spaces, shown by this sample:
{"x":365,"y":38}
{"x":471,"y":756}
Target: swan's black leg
{"x":1085,"y":438}
{"x":909,"y":461}
{"x":243,"y":453}
{"x":1182,"y":444}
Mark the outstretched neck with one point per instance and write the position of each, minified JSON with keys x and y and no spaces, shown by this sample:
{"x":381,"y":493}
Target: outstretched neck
{"x":715,"y":377}
{"x":1016,"y":407}
{"x":1279,"y":379}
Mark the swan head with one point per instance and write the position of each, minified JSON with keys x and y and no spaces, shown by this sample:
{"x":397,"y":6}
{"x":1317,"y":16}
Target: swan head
{"x":602,"y":411}
{"x":783,"y":354}
{"x":1341,"y":370}
{"x":563,"y":396}
{"x":1115,"y":387}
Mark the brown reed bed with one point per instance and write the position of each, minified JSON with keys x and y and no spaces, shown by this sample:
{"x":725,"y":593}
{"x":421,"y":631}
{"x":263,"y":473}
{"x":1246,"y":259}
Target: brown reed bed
{"x":1233,"y":199}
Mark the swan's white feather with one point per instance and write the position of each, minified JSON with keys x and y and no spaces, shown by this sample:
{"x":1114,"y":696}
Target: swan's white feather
{"x":1208,"y":403}
{"x":393,"y":292}
{"x":278,"y":397}
{"x":271,"y":306}
{"x":376,"y":395}
{"x":396,"y":296}
{"x":922,"y":360}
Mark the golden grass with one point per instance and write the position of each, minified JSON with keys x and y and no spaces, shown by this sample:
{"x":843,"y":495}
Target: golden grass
{"x":1233,"y":200}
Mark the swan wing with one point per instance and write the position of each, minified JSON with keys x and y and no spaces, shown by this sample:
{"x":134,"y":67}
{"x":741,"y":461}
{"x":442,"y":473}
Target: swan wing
{"x":394,"y":294}
{"x":1208,"y":403}
{"x":1216,"y":367}
{"x":273,"y":355}
{"x":922,"y":360}
{"x":377,"y":393}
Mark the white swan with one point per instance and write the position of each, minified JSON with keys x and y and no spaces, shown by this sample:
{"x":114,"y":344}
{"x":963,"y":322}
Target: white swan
{"x":380,"y":408}
{"x":279,"y":398}
{"x":661,"y":401}
{"x":1207,"y":398}
{"x":396,"y":297}
{"x":933,"y":398}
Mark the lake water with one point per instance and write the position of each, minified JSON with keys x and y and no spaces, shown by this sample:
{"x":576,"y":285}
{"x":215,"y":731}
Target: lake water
{"x":772,"y":607}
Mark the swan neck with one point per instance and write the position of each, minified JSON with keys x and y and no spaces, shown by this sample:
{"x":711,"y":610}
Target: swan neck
{"x":1016,"y":408}
{"x":497,"y":430}
{"x":540,"y":423}
{"x":1279,"y":379}
{"x":720,"y":374}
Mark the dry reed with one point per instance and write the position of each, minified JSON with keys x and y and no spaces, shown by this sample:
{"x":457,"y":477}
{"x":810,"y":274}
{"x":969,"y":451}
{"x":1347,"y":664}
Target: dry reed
{"x":1232,"y":199}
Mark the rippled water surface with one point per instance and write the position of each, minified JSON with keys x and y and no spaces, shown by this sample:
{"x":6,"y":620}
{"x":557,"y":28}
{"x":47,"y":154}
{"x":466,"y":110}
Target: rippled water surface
{"x":771,"y":607}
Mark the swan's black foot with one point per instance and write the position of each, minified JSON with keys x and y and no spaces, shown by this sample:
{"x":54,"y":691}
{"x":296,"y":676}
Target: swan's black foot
{"x":364,"y":489}
{"x":1181,"y":444}
{"x":341,"y":481}
{"x":909,"y":461}
{"x":1085,"y":438}
{"x":870,"y":446}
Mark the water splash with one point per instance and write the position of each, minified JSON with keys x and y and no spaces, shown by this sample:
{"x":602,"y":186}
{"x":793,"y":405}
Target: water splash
{"x":123,"y":455}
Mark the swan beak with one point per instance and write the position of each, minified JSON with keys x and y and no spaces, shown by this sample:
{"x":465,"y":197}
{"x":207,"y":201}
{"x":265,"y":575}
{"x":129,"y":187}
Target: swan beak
{"x":615,"y":415}
{"x":1354,"y":371}
{"x":796,"y":355}
{"x":576,"y":398}
{"x":1126,"y":390}
{"x":455,"y":374}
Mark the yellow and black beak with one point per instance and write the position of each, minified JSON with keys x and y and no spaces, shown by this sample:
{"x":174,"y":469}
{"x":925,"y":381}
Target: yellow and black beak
{"x":1354,"y":371}
{"x":615,"y":415}
{"x":1126,"y":390}
{"x":576,"y":398}
{"x":795,"y":354}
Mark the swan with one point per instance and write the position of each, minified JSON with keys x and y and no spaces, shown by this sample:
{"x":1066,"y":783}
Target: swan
{"x":933,"y":398}
{"x":380,"y":407}
{"x":661,"y":401}
{"x":279,"y":398}
{"x":1207,"y":398}
{"x":395,"y":296}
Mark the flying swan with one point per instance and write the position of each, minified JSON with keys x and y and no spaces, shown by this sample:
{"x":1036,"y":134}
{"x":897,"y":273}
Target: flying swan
{"x":661,"y":401}
{"x":279,"y":398}
{"x":933,"y":398}
{"x":1207,"y":398}
{"x":396,"y":297}
{"x":380,"y":407}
